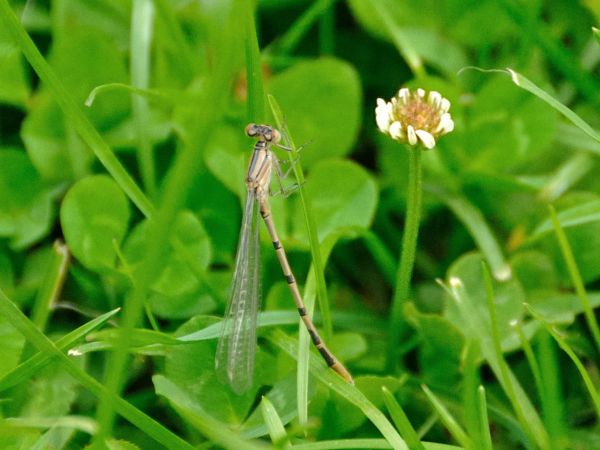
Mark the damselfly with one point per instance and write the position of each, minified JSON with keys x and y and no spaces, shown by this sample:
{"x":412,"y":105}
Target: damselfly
{"x":237,"y":345}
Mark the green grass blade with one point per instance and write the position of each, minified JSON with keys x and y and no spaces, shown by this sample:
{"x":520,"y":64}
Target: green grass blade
{"x":346,"y":390}
{"x":553,"y":407}
{"x":201,"y":420}
{"x":569,"y":258}
{"x":167,"y":99}
{"x":589,"y":384}
{"x":288,"y":42}
{"x":448,"y":420}
{"x":470,"y":383}
{"x":80,"y":423}
{"x":566,"y":176}
{"x":72,"y":111}
{"x":478,"y":228}
{"x":383,"y":257}
{"x":486,"y":443}
{"x":582,"y":213}
{"x":142,"y":24}
{"x":256,"y":91}
{"x":529,"y":86}
{"x":401,"y":421}
{"x":311,"y":227}
{"x":28,"y":368}
{"x":185,"y":54}
{"x":343,"y":444}
{"x":201,"y":123}
{"x":144,"y":422}
{"x":304,"y":341}
{"x":398,"y":36}
{"x":54,"y":279}
{"x":479,"y":325}
{"x":274,"y":423}
{"x":495,"y":333}
{"x":531,"y":359}
{"x":562,"y":60}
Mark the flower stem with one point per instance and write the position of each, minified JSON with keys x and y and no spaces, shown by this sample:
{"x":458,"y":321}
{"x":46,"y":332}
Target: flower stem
{"x":407,"y":254}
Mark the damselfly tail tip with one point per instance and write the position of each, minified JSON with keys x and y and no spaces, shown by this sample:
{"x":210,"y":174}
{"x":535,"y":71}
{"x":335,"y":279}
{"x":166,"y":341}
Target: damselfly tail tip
{"x":343,"y":372}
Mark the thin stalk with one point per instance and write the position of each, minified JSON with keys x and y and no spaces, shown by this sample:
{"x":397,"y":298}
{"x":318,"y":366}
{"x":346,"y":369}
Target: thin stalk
{"x":327,"y":31}
{"x":256,"y":92}
{"x":407,"y":255}
{"x":504,"y":372}
{"x":142,"y":21}
{"x":202,"y":122}
{"x":569,"y":258}
{"x":552,"y":405}
{"x":486,"y":442}
{"x":531,"y":359}
{"x":288,"y":42}
{"x":311,"y":227}
{"x":52,"y":285}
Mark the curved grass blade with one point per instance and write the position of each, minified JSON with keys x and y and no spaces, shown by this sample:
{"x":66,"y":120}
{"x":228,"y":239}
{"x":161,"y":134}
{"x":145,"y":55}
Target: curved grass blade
{"x":528,"y":85}
{"x":38,"y":361}
{"x":449,"y":421}
{"x":589,"y":383}
{"x":154,"y":429}
{"x":569,"y":259}
{"x":350,"y":392}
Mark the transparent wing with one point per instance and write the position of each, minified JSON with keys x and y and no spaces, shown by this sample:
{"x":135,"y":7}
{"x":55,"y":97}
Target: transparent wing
{"x":237,"y":345}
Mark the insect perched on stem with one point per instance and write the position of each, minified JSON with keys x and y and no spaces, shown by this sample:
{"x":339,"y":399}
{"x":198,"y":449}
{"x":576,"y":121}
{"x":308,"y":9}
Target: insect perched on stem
{"x":237,"y":345}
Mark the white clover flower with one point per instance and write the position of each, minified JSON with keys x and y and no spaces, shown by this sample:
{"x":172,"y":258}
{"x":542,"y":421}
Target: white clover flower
{"x":414,"y":117}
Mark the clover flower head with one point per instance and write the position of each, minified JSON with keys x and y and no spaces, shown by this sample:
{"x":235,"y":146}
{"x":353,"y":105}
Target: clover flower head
{"x":414,"y":117}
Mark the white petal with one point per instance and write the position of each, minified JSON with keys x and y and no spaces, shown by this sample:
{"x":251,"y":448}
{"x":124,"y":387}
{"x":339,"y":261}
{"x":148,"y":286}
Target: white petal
{"x":426,"y":138}
{"x":404,"y":94}
{"x":410,"y":134}
{"x":445,"y":105}
{"x":382,"y":115}
{"x":396,"y":130}
{"x":383,"y":122}
{"x":420,"y":92}
{"x":434,"y":98}
{"x":446,"y":124}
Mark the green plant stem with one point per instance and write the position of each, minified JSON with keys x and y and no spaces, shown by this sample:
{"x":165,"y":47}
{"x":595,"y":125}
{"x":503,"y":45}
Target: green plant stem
{"x":311,"y":228}
{"x":13,"y":314}
{"x":407,"y":255}
{"x":256,"y":92}
{"x":504,"y":371}
{"x":327,"y":32}
{"x":142,"y":20}
{"x":72,"y":110}
{"x":52,"y":285}
{"x":576,"y":277}
{"x":292,"y":37}
{"x":201,"y":123}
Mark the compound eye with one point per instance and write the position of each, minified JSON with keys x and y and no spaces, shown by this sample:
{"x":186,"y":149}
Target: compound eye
{"x":251,"y":129}
{"x":275,"y":136}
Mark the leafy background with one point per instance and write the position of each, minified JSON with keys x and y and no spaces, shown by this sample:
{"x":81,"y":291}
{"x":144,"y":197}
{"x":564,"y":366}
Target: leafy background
{"x":121,"y":145}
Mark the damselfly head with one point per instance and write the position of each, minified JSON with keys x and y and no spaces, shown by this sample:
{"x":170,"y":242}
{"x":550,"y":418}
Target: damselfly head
{"x":263,"y":132}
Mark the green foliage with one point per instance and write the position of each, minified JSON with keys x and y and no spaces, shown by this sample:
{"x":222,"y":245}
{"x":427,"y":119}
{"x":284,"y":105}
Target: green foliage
{"x":121,"y":134}
{"x":94,"y":217}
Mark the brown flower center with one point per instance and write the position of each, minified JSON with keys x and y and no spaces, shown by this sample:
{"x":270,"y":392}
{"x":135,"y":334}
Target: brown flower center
{"x":418,"y":113}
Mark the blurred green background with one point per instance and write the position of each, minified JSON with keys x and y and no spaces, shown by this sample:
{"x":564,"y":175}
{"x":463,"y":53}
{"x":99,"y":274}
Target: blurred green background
{"x":162,"y":86}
